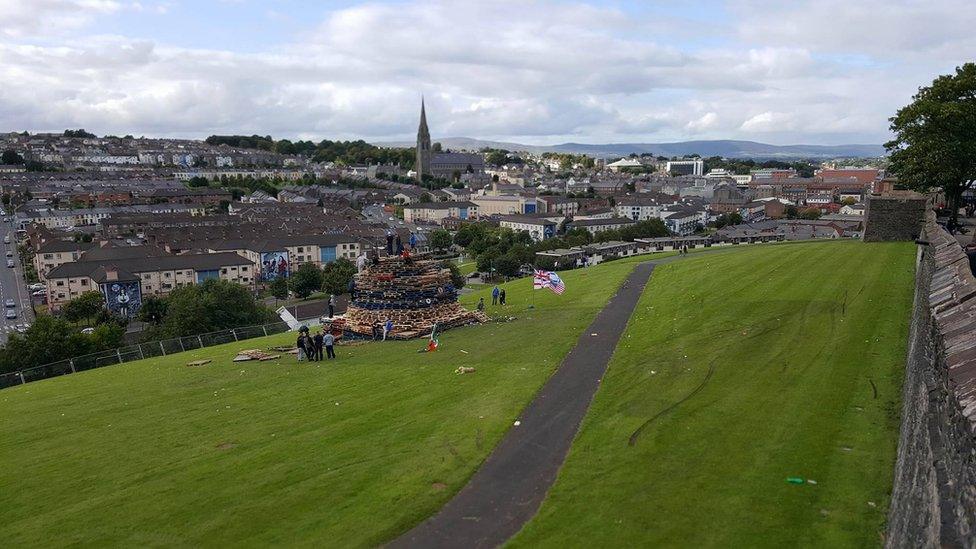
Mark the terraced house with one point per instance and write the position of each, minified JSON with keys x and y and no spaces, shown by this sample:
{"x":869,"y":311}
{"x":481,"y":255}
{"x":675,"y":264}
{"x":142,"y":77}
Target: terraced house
{"x":157,"y":275}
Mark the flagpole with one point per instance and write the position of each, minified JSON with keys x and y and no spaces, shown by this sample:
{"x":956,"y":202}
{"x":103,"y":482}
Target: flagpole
{"x":532,"y":288}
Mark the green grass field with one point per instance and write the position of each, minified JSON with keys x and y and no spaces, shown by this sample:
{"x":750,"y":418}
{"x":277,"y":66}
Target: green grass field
{"x":794,"y":336}
{"x":351,"y":453}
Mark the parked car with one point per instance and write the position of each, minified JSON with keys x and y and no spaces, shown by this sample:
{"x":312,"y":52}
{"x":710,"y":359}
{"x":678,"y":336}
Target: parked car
{"x":11,"y":314}
{"x":10,"y":253}
{"x":9,"y":303}
{"x":88,"y":330}
{"x":39,"y":293}
{"x":21,"y":328}
{"x":37,"y":287}
{"x":10,"y":262}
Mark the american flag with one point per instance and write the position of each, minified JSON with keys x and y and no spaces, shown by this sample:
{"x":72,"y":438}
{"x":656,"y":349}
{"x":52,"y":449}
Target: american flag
{"x":548,"y":279}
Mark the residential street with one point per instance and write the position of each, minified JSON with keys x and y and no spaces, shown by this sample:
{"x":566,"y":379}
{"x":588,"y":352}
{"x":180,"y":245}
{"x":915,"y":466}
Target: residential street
{"x":12,"y":286}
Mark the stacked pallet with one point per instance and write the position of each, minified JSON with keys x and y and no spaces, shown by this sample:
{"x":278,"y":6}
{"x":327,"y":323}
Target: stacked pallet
{"x":415,"y":293}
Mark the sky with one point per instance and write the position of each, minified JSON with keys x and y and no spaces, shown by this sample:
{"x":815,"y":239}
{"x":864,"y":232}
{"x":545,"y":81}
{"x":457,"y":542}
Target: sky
{"x":546,"y":72}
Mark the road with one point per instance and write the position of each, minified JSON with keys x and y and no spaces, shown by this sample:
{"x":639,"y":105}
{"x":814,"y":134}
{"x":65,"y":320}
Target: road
{"x":12,"y":286}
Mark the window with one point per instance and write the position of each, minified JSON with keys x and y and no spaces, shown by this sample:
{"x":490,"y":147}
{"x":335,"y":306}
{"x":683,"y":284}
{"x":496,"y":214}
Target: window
{"x":167,"y":275}
{"x":48,"y":256}
{"x":84,"y":281}
{"x":223,"y":271}
{"x":59,"y":283}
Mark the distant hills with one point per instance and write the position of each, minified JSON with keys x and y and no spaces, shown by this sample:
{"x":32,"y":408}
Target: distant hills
{"x":723,"y":147}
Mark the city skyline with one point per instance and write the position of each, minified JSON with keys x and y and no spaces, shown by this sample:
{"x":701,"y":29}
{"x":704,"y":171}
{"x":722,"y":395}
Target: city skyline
{"x":538,"y":73}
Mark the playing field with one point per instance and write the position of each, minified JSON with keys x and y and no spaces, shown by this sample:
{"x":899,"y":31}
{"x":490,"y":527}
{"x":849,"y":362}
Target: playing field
{"x":350,"y":453}
{"x":738,"y":371}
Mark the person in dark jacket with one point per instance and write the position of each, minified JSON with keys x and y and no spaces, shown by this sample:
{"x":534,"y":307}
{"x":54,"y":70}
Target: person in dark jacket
{"x":331,"y":305}
{"x":300,"y":344}
{"x":501,"y":296}
{"x":317,"y":343}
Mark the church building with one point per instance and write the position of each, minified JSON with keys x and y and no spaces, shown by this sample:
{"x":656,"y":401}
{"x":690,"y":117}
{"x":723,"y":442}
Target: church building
{"x":442,"y":164}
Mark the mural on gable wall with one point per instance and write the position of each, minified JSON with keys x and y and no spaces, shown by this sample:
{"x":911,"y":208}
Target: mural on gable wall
{"x":274,"y":265}
{"x":122,"y":298}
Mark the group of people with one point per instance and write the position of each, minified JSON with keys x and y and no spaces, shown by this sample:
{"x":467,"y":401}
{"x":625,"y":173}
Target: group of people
{"x":310,"y":347}
{"x":683,"y":249}
{"x":497,"y":298}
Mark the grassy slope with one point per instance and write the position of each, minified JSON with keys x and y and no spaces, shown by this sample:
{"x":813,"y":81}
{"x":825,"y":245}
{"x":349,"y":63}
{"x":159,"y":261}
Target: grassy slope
{"x":795,"y":334}
{"x":349,"y":453}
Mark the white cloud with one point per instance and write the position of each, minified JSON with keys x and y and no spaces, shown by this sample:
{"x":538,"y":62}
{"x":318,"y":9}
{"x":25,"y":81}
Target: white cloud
{"x":540,"y":71}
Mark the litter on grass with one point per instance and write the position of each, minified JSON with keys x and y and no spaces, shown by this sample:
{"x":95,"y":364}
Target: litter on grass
{"x":794,"y":480}
{"x":198,"y":362}
{"x":254,"y":354}
{"x":464,"y":370}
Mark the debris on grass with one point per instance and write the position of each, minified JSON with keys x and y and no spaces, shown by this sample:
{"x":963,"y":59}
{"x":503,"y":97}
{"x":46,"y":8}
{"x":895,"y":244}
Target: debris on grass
{"x":811,"y":481}
{"x":794,"y":480}
{"x":463,"y":351}
{"x":517,"y":423}
{"x":254,"y":354}
{"x":464,"y":370}
{"x":198,"y":362}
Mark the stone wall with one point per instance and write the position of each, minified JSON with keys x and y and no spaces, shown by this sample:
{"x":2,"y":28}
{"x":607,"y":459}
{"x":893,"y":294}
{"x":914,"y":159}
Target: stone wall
{"x":934,"y":493}
{"x":898,"y":215}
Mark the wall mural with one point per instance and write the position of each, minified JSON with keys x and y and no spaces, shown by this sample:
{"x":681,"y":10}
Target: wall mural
{"x":274,"y":265}
{"x":122,"y":298}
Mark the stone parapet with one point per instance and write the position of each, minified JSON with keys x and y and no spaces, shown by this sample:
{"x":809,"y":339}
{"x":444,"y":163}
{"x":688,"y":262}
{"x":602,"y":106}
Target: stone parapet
{"x":934,"y":494}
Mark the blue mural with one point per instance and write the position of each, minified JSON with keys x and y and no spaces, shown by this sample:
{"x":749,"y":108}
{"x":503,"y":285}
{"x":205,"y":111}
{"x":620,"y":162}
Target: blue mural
{"x":122,"y":298}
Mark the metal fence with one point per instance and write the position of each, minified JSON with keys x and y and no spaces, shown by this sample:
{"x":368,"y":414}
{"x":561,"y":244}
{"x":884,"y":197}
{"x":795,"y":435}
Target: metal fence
{"x":138,"y":352}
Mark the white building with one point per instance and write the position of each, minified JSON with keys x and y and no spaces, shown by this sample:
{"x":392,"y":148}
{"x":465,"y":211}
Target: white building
{"x":694,"y":166}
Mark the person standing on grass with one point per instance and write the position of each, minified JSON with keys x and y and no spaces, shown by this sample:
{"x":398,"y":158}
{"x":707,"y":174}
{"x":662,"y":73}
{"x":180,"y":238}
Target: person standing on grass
{"x":329,"y":340}
{"x":376,"y":330}
{"x":300,"y":345}
{"x":494,"y":295}
{"x":331,"y":305}
{"x":481,"y":304}
{"x":387,"y":328}
{"x":317,"y":343}
{"x":501,"y":296}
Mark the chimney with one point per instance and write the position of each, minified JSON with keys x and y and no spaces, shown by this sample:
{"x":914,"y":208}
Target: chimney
{"x":111,"y":274}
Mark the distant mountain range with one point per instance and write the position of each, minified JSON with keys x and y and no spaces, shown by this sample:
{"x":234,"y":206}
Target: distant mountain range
{"x":723,"y":147}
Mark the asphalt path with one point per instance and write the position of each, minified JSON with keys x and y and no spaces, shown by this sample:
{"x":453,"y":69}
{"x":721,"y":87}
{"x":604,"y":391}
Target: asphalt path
{"x":510,"y":485}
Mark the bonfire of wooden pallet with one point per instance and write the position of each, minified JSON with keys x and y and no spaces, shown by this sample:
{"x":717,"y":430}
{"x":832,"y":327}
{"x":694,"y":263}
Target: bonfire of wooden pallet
{"x":415,"y":293}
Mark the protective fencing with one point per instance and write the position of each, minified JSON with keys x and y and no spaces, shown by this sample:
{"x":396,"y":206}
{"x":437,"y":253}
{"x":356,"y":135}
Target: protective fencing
{"x":138,"y":352}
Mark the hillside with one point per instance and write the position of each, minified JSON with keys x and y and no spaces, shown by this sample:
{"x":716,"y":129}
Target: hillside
{"x":726,"y":148}
{"x":739,"y":371}
{"x":259,"y":453}
{"x":786,"y":342}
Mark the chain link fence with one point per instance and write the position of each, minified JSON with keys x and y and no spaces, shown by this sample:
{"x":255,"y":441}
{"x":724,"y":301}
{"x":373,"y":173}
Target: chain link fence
{"x":138,"y":352}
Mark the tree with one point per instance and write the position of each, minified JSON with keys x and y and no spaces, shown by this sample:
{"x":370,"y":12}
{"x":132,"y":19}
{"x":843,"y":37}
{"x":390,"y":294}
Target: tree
{"x":792,"y":212}
{"x":84,"y":307}
{"x":279,"y":288}
{"x":440,"y":239}
{"x":337,"y":275}
{"x":49,"y":339}
{"x":935,"y":137}
{"x":306,"y":279}
{"x":849,"y":201}
{"x":5,"y":199}
{"x":810,"y":213}
{"x":210,"y":306}
{"x":11,"y":157}
{"x":507,"y":265}
{"x":153,"y":310}
{"x":109,"y":335}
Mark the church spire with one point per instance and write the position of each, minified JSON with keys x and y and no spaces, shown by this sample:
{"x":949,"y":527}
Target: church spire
{"x":422,"y":166}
